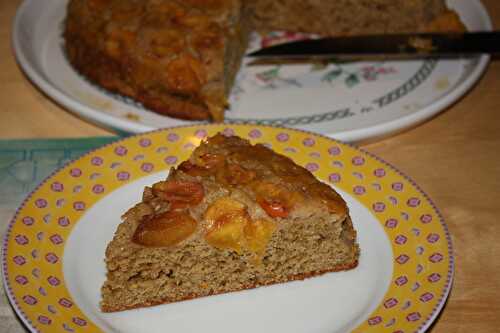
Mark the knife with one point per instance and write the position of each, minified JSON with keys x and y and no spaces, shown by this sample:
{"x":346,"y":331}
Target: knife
{"x":413,"y":45}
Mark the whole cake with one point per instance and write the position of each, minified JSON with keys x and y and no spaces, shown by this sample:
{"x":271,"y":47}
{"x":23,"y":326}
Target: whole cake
{"x":234,"y":216}
{"x":180,"y":57}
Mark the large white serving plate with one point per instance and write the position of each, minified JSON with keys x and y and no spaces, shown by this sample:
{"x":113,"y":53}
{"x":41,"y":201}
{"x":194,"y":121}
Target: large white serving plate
{"x":347,"y":101}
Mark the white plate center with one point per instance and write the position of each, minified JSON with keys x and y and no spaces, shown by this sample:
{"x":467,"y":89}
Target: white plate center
{"x":334,"y":302}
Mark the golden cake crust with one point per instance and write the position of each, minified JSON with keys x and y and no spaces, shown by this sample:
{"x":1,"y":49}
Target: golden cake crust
{"x":165,"y":54}
{"x":180,"y":58}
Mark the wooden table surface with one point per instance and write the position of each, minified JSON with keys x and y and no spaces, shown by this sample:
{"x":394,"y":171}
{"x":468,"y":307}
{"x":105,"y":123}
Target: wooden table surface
{"x":454,"y":157}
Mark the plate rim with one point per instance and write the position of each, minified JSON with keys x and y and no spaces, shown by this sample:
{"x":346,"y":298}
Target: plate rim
{"x":372,"y":132}
{"x":444,"y":293}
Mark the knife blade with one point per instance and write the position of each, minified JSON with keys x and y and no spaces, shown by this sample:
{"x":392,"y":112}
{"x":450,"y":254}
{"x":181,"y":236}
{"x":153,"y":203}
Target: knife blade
{"x":413,"y":45}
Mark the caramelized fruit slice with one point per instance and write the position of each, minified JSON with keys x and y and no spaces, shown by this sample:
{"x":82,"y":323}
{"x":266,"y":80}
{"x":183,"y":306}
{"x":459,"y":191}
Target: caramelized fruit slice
{"x":166,"y":229}
{"x":226,"y":220}
{"x":274,"y":199}
{"x":233,"y":174}
{"x":257,"y":235}
{"x":179,"y":193}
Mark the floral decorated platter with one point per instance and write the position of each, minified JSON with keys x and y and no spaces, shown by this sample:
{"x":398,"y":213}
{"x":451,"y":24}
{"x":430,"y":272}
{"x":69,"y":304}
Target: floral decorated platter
{"x":347,"y":101}
{"x":53,"y":253}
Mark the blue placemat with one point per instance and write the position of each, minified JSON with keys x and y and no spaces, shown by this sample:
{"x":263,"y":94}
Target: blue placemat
{"x":23,"y":165}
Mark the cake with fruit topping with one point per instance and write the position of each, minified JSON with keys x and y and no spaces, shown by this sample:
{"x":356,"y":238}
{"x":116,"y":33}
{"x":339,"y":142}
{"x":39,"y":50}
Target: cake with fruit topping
{"x":180,"y":58}
{"x":233,"y":216}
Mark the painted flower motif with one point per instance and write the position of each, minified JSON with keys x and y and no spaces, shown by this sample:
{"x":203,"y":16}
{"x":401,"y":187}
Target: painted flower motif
{"x":40,"y":235}
{"x":173,"y":137}
{"x":44,"y":320}
{"x":312,"y":167}
{"x":19,"y":260}
{"x":79,"y":321}
{"x":36,"y":271}
{"x":79,"y":205}
{"x":391,"y":223}
{"x":139,"y":157}
{"x":42,"y":291}
{"x":60,"y":203}
{"x":434,"y":277}
{"x":432,"y":238}
{"x":358,"y":160}
{"x":51,"y":309}
{"x":121,"y":151}
{"x":53,"y":281}
{"x":94,"y":175}
{"x":401,"y":281}
{"x":338,"y":164}
{"x":21,"y":279}
{"x":75,"y":172}
{"x":308,"y":142}
{"x":46,"y":218}
{"x":255,"y":134}
{"x":115,"y":165}
{"x":30,"y":300}
{"x":98,"y":188}
{"x":419,"y":269}
{"x":21,"y":239}
{"x":315,"y":154}
{"x":161,"y":150}
{"x":144,"y":142}
{"x":414,"y":316}
{"x":201,"y":134}
{"x":390,"y":303}
{"x":359,"y":190}
{"x":400,"y":239}
{"x":77,"y":189}
{"x":65,"y":302}
{"x":426,"y":218}
{"x":56,"y":239}
{"x":34,"y":253}
{"x":189,"y":146}
{"x":413,"y":202}
{"x":290,"y":150}
{"x":374,"y":320}
{"x":379,"y":207}
{"x":57,"y":187}
{"x":51,"y":258}
{"x":123,"y":175}
{"x":398,"y":187}
{"x":426,"y":297}
{"x":436,"y":257}
{"x":171,"y":160}
{"x":334,"y":151}
{"x":334,"y":177}
{"x":41,"y":203}
{"x":282,"y":137}
{"x":63,"y":221}
{"x":147,"y":167}
{"x":28,"y":221}
{"x":379,"y":172}
{"x":228,"y":131}
{"x":402,"y":259}
{"x":97,"y":161}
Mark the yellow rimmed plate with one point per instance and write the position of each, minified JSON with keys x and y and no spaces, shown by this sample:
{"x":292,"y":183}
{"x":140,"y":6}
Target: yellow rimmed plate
{"x":53,"y":253}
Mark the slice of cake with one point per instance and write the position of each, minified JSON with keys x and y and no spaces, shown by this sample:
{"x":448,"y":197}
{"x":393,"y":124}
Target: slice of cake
{"x":352,"y":17}
{"x":180,"y":58}
{"x":234,"y":216}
